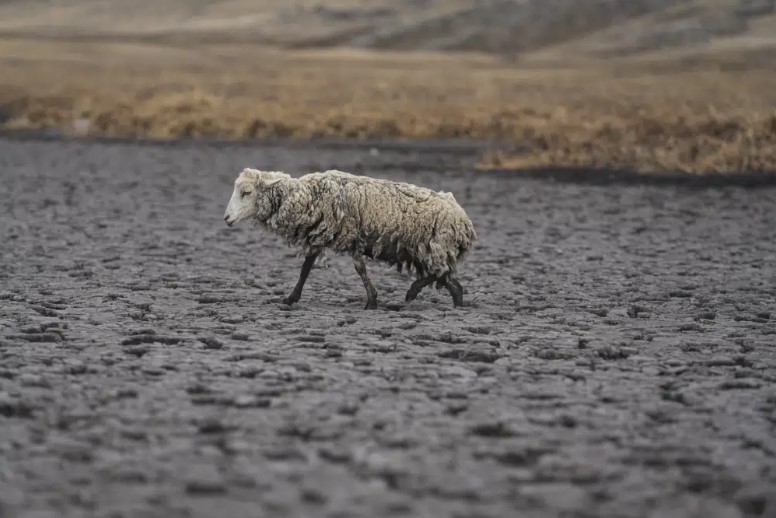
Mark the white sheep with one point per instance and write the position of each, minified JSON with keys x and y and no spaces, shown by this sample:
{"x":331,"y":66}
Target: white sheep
{"x":393,"y":222}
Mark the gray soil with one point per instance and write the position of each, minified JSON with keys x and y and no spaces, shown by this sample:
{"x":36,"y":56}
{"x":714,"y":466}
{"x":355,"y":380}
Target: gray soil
{"x":616,"y":356}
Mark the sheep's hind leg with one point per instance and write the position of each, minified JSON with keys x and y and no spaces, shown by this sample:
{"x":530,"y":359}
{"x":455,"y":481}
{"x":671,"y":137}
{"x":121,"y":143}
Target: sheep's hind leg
{"x":306,"y":267}
{"x":455,"y":289}
{"x":417,"y":286}
{"x":371,"y":292}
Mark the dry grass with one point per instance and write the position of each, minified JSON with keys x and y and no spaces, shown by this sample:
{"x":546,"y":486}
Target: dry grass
{"x":648,"y":116}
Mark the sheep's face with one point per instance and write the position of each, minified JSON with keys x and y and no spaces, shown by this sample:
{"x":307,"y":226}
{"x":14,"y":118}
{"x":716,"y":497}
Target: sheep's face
{"x":250,"y":197}
{"x":242,"y":204}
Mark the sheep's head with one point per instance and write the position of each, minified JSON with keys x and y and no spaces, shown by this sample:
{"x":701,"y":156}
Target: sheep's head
{"x":252,"y":196}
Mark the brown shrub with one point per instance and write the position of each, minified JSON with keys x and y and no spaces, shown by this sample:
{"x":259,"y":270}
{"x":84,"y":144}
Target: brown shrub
{"x":632,"y":116}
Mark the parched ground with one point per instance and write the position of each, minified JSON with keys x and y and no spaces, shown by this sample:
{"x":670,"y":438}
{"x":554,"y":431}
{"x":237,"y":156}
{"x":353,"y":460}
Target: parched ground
{"x":616,"y":356}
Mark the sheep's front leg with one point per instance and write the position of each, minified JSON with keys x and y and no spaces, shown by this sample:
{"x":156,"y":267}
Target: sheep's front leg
{"x":306,"y":267}
{"x":417,"y":286}
{"x":371,"y":292}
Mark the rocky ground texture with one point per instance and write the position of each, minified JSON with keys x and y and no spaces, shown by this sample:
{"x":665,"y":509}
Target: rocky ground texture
{"x":616,"y":356}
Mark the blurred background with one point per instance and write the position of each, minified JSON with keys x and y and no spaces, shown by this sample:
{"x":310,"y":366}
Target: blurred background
{"x":646,"y":85}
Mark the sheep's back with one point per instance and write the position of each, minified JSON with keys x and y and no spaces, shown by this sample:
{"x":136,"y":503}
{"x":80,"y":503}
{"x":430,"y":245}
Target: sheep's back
{"x":403,"y":223}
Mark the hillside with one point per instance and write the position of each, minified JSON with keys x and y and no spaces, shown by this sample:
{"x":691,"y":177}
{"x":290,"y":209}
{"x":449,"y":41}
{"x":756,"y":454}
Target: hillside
{"x":593,"y":27}
{"x":647,"y":85}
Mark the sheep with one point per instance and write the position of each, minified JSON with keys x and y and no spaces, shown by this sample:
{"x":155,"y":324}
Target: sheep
{"x":392,"y":222}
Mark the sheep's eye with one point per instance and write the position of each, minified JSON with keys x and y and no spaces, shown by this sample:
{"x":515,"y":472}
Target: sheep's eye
{"x":246,"y":193}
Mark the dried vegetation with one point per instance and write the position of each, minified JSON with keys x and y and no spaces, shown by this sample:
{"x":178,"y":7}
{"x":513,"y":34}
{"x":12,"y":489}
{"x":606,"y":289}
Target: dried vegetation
{"x":695,"y":115}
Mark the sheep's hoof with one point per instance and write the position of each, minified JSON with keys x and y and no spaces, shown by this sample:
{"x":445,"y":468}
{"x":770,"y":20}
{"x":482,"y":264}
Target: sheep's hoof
{"x":371,"y":304}
{"x":290,"y":300}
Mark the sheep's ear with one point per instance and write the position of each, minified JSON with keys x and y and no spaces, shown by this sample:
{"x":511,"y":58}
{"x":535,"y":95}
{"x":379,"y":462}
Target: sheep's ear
{"x":268,"y":180}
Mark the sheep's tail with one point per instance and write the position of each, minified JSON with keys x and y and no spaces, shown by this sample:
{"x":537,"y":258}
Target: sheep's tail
{"x":465,"y":234}
{"x":465,"y":240}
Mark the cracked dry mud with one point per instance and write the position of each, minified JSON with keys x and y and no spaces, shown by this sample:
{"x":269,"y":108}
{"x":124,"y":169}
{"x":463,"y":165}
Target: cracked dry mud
{"x":616,"y":357}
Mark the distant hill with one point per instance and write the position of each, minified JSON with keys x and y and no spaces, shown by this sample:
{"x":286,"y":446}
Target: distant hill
{"x":512,"y":27}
